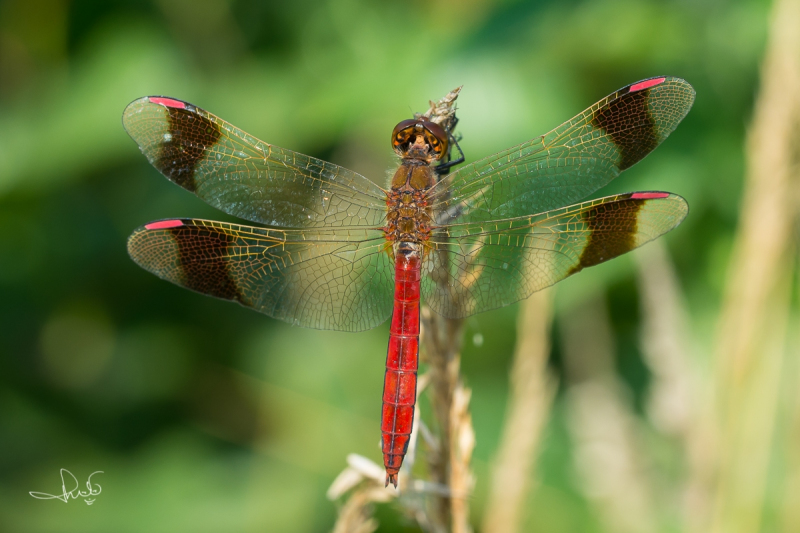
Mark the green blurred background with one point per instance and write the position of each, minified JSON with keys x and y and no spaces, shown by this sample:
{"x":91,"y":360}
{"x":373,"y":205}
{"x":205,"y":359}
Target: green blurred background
{"x":206,"y":416}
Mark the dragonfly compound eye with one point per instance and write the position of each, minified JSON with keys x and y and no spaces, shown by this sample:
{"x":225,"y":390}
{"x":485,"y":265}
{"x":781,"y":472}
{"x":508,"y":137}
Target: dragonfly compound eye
{"x":402,"y":135}
{"x":407,"y":131}
{"x":436,"y":137}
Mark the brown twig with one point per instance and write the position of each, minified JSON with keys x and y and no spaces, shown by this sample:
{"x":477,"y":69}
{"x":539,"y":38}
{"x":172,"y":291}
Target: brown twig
{"x":441,"y":339}
{"x":365,"y":479}
{"x":355,"y":516}
{"x":463,"y":443}
{"x":443,"y":112}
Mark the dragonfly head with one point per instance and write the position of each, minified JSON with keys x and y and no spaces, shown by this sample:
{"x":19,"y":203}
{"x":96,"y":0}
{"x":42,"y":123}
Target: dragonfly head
{"x":419,"y":139}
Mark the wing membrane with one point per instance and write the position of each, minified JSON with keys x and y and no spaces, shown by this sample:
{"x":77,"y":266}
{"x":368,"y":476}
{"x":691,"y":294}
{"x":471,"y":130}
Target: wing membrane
{"x":476,"y":267}
{"x":570,"y":162}
{"x":246,"y":177}
{"x":322,"y":279}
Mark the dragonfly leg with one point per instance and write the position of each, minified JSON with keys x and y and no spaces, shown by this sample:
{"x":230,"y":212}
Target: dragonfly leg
{"x":444,"y":168}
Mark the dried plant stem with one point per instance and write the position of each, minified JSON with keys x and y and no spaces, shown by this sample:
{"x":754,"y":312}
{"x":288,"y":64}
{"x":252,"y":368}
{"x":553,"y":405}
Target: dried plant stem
{"x":790,"y":515}
{"x":750,"y":344}
{"x":355,"y":516}
{"x":529,"y":400}
{"x":678,"y":402}
{"x":441,"y":339}
{"x":605,"y":435}
{"x":665,"y":341}
{"x":462,"y":438}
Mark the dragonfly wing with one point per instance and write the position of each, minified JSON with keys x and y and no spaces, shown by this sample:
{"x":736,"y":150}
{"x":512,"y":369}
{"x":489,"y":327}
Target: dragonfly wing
{"x":322,"y":279}
{"x":476,"y":267}
{"x":246,"y":177}
{"x":570,"y":162}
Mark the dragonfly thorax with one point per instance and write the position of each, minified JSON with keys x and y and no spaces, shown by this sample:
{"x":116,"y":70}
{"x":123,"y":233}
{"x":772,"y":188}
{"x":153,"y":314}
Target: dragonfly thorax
{"x":408,"y":215}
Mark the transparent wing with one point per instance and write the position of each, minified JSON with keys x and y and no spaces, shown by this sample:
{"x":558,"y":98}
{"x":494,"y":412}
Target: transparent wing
{"x":570,"y":162}
{"x":312,"y":278}
{"x":471,"y":268}
{"x":246,"y":177}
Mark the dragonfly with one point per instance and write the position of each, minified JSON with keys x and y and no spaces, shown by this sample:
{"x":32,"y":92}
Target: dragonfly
{"x":334,"y":250}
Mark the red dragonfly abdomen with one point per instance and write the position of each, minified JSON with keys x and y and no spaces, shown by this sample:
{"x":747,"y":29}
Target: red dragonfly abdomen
{"x":400,"y":380}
